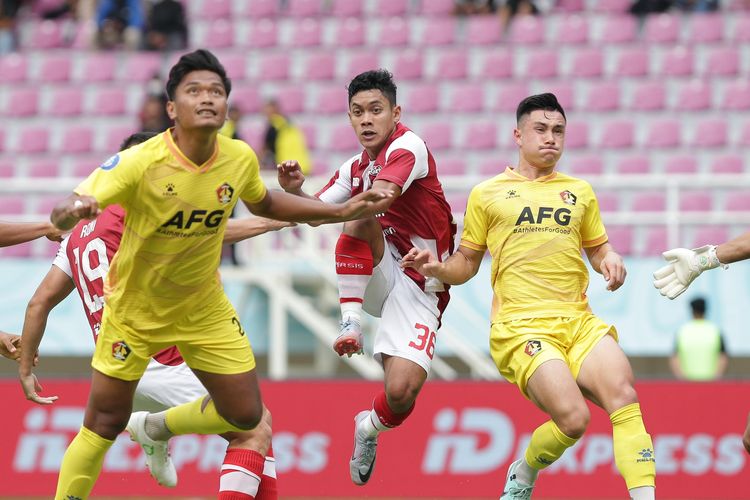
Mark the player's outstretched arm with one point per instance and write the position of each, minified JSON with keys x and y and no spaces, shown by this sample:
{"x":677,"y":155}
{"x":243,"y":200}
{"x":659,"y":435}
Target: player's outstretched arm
{"x":683,"y":266}
{"x":55,"y":286}
{"x":456,"y":270}
{"x":12,"y":233}
{"x":68,"y":212}
{"x":609,"y":264}
{"x":248,"y":227}
{"x":9,"y":345}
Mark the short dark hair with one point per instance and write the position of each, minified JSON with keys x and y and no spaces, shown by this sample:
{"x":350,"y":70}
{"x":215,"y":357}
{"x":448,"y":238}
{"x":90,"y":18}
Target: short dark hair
{"x":546,"y":102}
{"x":698,"y":306}
{"x":200,"y":59}
{"x":136,"y":138}
{"x":376,"y":79}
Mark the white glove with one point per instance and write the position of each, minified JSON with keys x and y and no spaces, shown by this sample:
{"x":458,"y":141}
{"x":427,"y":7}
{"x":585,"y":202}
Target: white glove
{"x":684,"y":266}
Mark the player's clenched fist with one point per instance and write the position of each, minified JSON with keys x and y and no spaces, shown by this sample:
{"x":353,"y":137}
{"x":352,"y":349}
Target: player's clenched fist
{"x":684,"y":266}
{"x":68,"y":212}
{"x":290,"y":176}
{"x":421,"y":260}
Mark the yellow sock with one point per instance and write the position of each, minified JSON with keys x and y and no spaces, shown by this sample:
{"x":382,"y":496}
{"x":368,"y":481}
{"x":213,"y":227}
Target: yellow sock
{"x":81,"y":465}
{"x":191,"y":418}
{"x":547,"y":444}
{"x":634,"y":452}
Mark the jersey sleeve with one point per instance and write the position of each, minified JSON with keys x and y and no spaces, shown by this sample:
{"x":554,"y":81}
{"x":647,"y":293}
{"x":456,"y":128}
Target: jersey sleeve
{"x":339,"y":187}
{"x":592,"y":228}
{"x":254,"y":190}
{"x":61,"y":258}
{"x":405,"y":161}
{"x":114,"y":181}
{"x":475,"y":222}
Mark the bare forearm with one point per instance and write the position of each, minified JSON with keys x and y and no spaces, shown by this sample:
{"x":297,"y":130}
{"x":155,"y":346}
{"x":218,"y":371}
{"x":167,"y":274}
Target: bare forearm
{"x":34,"y":325}
{"x":293,"y":208}
{"x":722,"y":368}
{"x":596,"y":256}
{"x":16,"y":233}
{"x":734,"y":250}
{"x":456,"y":270}
{"x":248,"y":227}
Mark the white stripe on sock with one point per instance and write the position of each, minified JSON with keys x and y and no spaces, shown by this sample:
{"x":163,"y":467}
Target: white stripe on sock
{"x":240,"y":482}
{"x":269,"y":467}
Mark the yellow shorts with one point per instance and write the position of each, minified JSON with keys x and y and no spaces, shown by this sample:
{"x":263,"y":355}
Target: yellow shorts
{"x":210,"y":339}
{"x":518,"y":347}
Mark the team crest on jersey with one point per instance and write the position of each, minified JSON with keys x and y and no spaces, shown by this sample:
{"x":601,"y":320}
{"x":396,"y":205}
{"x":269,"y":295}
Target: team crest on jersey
{"x":568,"y":197}
{"x":120,"y":350}
{"x":225,"y":193}
{"x":533,"y":347}
{"x":355,"y":182}
{"x":110,"y":163}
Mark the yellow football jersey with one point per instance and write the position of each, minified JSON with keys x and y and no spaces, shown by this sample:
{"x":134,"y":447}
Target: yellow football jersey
{"x":177,"y":211}
{"x":534,"y":231}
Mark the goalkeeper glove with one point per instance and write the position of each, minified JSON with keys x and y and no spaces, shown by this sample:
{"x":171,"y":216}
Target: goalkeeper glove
{"x":684,"y":266}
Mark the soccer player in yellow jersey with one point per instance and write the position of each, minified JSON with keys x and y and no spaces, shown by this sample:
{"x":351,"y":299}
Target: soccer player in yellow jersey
{"x":544,"y":338}
{"x":162,"y":287}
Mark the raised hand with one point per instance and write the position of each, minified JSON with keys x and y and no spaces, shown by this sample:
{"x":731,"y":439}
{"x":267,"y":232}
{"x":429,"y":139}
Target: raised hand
{"x":684,"y":265}
{"x":9,"y":344}
{"x":290,"y":176}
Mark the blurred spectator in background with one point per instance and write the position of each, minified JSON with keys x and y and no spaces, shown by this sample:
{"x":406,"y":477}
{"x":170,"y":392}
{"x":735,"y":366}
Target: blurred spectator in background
{"x":645,"y":7}
{"x":700,"y":353}
{"x":153,"y":115}
{"x":166,"y":26}
{"x":234,"y":115}
{"x":472,"y":7}
{"x":512,"y":8}
{"x":8,"y":12}
{"x":120,"y":22}
{"x":283,"y":141}
{"x":698,"y":5}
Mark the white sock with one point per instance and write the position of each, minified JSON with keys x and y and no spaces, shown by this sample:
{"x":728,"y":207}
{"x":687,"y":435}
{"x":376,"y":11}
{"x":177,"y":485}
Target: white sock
{"x":156,"y":426}
{"x":351,"y":310}
{"x":526,"y":474}
{"x":370,"y":427}
{"x":643,"y":493}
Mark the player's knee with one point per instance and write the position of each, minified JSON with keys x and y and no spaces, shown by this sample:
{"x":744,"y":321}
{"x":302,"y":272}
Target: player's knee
{"x":246,"y":418}
{"x":401,"y":395}
{"x":574,"y":422}
{"x":361,"y":228}
{"x":623,"y":395}
{"x":107,"y":424}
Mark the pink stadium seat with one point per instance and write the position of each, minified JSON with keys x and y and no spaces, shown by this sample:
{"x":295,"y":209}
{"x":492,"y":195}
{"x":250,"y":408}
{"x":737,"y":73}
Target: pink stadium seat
{"x":409,"y":65}
{"x":621,"y":238}
{"x":727,"y":164}
{"x":586,"y":165}
{"x":6,"y":169}
{"x":619,"y":29}
{"x":618,"y":134}
{"x":33,"y":140}
{"x":480,"y":135}
{"x":360,"y":62}
{"x":436,"y":7}
{"x":320,"y":66}
{"x":109,"y":101}
{"x":453,"y":64}
{"x":603,"y":96}
{"x":142,"y":66}
{"x":439,"y":31}
{"x":55,"y":69}
{"x":394,"y":32}
{"x":588,"y":63}
{"x":742,"y":28}
{"x":23,"y":102}
{"x":509,"y":95}
{"x":114,"y":137}
{"x":497,"y":64}
{"x":388,"y":8}
{"x":612,"y":6}
{"x":650,"y":95}
{"x":677,"y":61}
{"x":66,"y":101}
{"x":344,"y":139}
{"x":664,"y":133}
{"x":723,"y":61}
{"x":12,"y":205}
{"x":527,"y":30}
{"x":310,"y":131}
{"x":292,"y":98}
{"x":744,"y":139}
{"x":564,"y":91}
{"x":13,"y":68}
{"x":347,"y":8}
{"x":331,"y":100}
{"x":275,"y":66}
{"x":262,"y":8}
{"x":649,"y":201}
{"x":77,"y":139}
{"x":738,"y":201}
{"x":17,"y":251}
{"x":219,"y":34}
{"x":423,"y":98}
{"x":84,"y":165}
{"x":457,"y":202}
{"x":694,"y":96}
{"x":483,"y":30}
{"x":451,"y":166}
{"x":307,"y":33}
{"x":709,"y":235}
{"x":633,"y":61}
{"x":350,"y":32}
{"x":576,"y":135}
{"x":47,"y":204}
{"x":570,"y":5}
{"x":46,"y":35}
{"x":706,"y":28}
{"x":496,"y":164}
{"x":263,"y":34}
{"x":215,"y":9}
{"x":736,"y":95}
{"x":45,"y":167}
{"x":633,"y":165}
{"x":608,"y":201}
{"x":304,"y":8}
{"x":572,"y":29}
{"x":656,"y":241}
{"x":252,"y":134}
{"x":246,"y":97}
{"x":542,"y":63}
{"x":711,"y":133}
{"x":662,"y":28}
{"x":466,"y":98}
{"x":681,"y":164}
{"x":99,"y":67}
{"x":437,"y":135}
{"x":235,"y":64}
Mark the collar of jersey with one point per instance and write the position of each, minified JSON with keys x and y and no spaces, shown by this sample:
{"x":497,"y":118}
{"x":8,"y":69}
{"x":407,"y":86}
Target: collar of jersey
{"x":515,"y":175}
{"x":184,"y":160}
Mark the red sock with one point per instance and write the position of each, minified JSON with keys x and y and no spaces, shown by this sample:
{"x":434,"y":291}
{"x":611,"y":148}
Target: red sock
{"x":353,"y":268}
{"x":386,"y":416}
{"x":240,"y":474}
{"x":268,"y":489}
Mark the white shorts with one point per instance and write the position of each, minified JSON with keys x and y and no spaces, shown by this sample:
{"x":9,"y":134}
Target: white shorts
{"x":164,"y":386}
{"x":409,"y":315}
